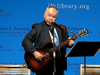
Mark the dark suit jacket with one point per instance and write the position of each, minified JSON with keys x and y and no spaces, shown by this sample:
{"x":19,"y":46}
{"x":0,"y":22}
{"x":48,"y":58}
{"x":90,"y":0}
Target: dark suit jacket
{"x":40,"y":36}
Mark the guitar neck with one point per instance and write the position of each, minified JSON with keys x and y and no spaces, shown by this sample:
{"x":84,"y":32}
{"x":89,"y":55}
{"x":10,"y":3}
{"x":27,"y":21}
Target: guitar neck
{"x":62,"y":44}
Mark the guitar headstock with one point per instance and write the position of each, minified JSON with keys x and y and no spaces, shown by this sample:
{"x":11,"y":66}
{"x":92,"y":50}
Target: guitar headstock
{"x":81,"y":34}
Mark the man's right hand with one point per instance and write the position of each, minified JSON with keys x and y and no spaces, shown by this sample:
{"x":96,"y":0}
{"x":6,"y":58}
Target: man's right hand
{"x":38,"y":55}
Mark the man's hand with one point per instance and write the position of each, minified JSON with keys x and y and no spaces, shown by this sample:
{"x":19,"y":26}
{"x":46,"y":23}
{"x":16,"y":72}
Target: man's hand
{"x":71,"y":42}
{"x":38,"y":55}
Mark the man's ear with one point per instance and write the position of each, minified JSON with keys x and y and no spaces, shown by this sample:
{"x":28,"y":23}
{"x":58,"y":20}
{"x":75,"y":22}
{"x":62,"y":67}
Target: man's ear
{"x":44,"y":15}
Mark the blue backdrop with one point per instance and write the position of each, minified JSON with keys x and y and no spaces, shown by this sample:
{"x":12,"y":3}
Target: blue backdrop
{"x":17,"y":17}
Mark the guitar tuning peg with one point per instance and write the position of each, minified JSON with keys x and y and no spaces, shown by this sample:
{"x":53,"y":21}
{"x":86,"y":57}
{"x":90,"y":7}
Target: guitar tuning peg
{"x":84,"y":30}
{"x":81,"y":35}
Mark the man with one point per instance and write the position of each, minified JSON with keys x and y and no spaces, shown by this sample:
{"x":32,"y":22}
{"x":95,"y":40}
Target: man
{"x":41,"y":35}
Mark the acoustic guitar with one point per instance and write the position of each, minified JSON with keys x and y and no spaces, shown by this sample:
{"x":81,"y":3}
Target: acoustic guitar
{"x":37,"y":66}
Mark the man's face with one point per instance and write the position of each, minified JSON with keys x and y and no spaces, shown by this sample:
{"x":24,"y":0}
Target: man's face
{"x":50,"y":15}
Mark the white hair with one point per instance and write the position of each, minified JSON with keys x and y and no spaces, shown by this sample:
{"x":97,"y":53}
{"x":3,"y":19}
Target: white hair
{"x":51,"y":7}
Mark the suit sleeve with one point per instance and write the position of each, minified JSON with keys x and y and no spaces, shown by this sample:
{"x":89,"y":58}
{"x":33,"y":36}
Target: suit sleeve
{"x":27,"y":42}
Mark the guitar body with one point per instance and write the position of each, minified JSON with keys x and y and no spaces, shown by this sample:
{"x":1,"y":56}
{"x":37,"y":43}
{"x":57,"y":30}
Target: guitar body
{"x":38,"y":66}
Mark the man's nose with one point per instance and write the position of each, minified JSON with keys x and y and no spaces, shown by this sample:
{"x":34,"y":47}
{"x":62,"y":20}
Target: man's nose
{"x":51,"y":19}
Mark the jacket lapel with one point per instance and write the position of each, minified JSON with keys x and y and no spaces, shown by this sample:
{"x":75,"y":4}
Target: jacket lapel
{"x":46,"y":29}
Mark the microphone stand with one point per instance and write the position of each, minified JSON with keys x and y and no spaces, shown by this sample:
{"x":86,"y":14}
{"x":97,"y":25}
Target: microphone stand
{"x":54,"y":53}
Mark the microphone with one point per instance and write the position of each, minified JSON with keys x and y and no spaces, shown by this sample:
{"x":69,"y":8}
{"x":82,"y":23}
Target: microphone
{"x":52,"y":22}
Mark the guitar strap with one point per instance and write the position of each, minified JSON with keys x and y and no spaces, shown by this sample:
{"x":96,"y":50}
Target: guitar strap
{"x":66,"y":29}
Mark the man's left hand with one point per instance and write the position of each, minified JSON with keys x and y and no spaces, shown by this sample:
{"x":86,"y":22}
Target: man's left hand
{"x":71,"y":42}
